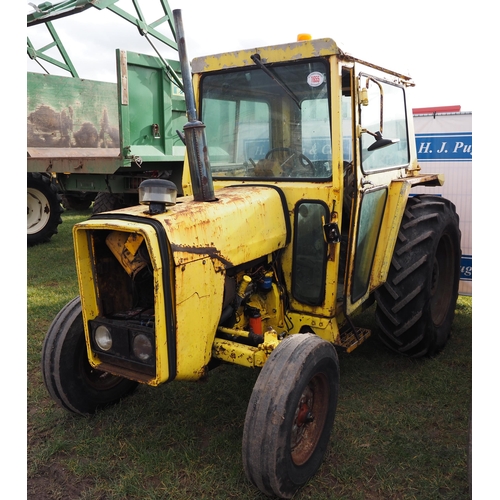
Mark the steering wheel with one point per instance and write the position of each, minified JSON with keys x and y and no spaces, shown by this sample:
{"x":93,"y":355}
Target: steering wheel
{"x":299,"y":161}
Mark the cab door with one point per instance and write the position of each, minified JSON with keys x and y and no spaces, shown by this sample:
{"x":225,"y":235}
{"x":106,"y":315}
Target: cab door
{"x":380,"y":155}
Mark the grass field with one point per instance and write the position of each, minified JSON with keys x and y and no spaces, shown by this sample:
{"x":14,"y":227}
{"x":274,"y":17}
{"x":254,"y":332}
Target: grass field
{"x":401,"y":430}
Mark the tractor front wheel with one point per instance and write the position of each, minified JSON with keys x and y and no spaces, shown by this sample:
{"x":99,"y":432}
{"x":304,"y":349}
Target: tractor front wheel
{"x":416,"y":305}
{"x":290,"y":415}
{"x":70,"y":379}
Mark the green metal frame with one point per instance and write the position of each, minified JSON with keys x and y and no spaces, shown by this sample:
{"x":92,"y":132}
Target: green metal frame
{"x":37,"y":54}
{"x":46,"y":12}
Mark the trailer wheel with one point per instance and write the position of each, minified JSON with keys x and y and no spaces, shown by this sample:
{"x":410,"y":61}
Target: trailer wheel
{"x":416,"y":306}
{"x":68,"y":376}
{"x":290,"y":415}
{"x":44,"y":208}
{"x":78,"y":201}
{"x":106,"y":202}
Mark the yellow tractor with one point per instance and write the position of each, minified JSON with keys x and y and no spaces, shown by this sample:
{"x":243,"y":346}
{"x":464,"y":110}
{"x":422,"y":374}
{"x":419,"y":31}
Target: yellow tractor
{"x":295,"y":213}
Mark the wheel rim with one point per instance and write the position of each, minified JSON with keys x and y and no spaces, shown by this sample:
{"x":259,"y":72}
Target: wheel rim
{"x":309,"y":419}
{"x":38,"y":211}
{"x":442,"y":281}
{"x":97,"y":379}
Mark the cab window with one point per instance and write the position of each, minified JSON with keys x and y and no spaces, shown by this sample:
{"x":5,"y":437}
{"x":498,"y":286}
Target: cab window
{"x":384,"y":113}
{"x":271,"y":122}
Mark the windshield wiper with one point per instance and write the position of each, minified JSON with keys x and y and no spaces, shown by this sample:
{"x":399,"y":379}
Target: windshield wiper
{"x":256,"y":59}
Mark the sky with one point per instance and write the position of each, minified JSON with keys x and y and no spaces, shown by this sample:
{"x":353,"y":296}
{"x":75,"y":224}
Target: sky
{"x":427,"y":42}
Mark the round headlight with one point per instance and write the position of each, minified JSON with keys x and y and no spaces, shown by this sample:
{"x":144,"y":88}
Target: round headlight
{"x":102,"y":337}
{"x":142,"y":347}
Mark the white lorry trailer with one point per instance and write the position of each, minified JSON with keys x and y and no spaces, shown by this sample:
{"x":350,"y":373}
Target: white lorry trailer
{"x":444,"y":144}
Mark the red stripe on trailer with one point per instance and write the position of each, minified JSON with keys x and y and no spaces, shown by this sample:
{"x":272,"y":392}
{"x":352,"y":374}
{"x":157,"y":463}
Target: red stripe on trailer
{"x":437,"y":109}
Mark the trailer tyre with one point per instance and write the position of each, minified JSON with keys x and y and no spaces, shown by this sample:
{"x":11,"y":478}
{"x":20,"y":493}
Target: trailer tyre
{"x":44,"y":208}
{"x":290,"y":415}
{"x":67,"y":374}
{"x":106,"y":202}
{"x":416,"y":306}
{"x":78,"y":201}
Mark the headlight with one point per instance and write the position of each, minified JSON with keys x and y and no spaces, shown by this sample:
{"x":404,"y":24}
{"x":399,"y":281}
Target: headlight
{"x":102,"y":337}
{"x":142,"y":347}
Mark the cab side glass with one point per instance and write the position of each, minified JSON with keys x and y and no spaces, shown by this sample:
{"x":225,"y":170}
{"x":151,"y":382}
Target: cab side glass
{"x":310,"y":253}
{"x":385,"y":112}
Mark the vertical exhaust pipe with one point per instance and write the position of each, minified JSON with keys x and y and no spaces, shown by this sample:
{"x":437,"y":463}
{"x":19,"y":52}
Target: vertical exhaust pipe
{"x":194,"y":130}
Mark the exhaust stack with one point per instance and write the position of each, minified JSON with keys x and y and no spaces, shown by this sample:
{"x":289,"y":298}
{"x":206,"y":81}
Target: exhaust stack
{"x":194,"y":130}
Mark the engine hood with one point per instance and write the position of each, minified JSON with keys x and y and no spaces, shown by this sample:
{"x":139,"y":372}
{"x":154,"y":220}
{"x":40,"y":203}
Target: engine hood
{"x":242,"y":224}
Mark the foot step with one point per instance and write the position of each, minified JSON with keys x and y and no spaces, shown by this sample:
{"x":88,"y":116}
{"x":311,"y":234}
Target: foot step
{"x":348,"y":340}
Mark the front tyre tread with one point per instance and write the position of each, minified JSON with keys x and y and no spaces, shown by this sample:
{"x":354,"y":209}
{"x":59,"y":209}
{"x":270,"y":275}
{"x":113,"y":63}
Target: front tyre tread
{"x":279,"y":455}
{"x":67,"y":374}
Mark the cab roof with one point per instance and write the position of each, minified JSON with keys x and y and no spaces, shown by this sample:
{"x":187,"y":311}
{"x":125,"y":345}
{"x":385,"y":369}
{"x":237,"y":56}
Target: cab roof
{"x":295,"y":51}
{"x":271,"y":54}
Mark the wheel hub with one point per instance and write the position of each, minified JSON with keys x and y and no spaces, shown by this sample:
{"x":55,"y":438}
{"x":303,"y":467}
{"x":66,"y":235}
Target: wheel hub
{"x":98,"y":379}
{"x":38,"y":211}
{"x":305,"y":415}
{"x":309,"y":419}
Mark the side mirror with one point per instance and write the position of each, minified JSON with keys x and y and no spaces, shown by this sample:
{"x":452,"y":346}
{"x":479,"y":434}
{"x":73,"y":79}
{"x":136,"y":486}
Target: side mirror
{"x":380,"y":142}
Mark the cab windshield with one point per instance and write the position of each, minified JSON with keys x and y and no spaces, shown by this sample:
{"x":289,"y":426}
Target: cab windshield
{"x":269,"y":122}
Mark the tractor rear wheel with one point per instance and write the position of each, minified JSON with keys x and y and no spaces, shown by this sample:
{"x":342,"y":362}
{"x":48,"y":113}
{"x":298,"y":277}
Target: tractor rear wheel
{"x":416,"y":306}
{"x":290,"y":415}
{"x":67,"y":373}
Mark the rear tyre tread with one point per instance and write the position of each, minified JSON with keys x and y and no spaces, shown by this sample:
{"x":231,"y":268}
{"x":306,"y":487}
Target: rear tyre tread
{"x":416,"y":305}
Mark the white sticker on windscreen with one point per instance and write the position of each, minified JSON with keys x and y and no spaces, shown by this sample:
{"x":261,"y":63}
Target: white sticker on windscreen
{"x":315,"y":79}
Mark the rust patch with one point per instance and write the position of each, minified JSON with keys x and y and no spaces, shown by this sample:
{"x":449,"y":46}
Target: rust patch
{"x":211,"y":252}
{"x":87,"y":136}
{"x":202,"y":373}
{"x":49,"y":128}
{"x":127,"y":373}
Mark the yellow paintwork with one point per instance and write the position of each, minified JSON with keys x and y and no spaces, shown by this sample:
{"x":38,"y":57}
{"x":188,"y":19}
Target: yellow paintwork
{"x":203,"y":245}
{"x":394,"y":210}
{"x":397,"y":197}
{"x":278,"y":53}
{"x":399,"y":191}
{"x":124,"y":247}
{"x":271,"y":307}
{"x":245,"y":223}
{"x":88,"y":293}
{"x":239,"y":354}
{"x":198,"y":303}
{"x":199,"y":230}
{"x":324,"y":327}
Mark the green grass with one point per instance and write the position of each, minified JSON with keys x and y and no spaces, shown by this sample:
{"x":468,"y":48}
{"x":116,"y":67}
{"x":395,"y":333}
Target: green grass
{"x":400,"y":430}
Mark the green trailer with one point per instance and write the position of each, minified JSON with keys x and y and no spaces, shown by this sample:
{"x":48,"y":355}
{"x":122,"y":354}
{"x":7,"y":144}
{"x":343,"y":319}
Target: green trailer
{"x":94,"y":142}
